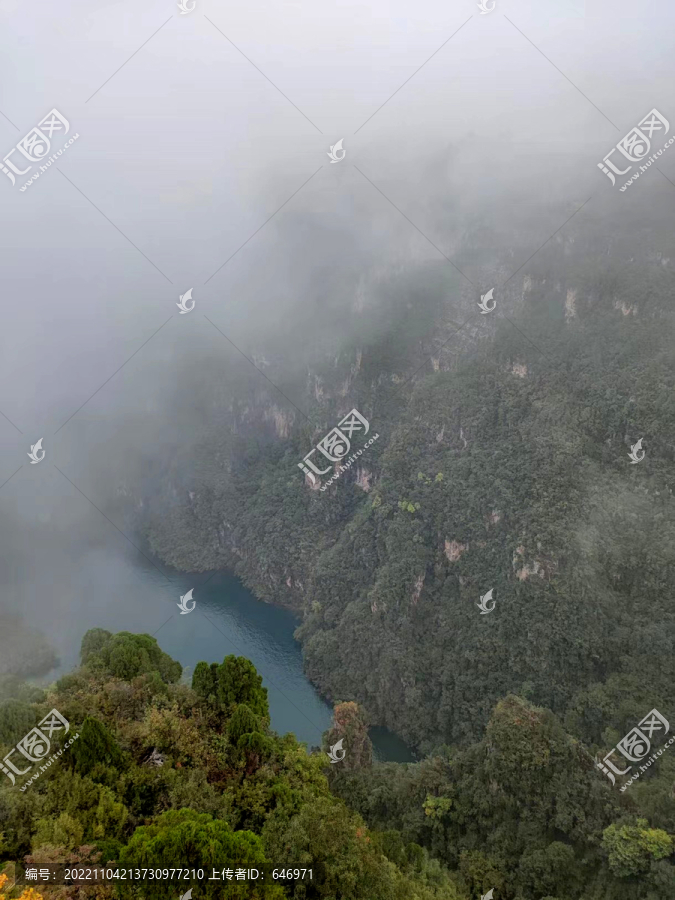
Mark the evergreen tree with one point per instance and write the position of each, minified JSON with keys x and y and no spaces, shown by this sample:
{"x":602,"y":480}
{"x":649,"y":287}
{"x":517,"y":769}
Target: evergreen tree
{"x":95,"y":746}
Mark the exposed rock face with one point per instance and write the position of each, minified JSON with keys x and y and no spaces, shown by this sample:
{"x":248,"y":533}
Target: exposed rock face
{"x":453,"y":550}
{"x":494,"y":517}
{"x":519,"y":369}
{"x":155,"y":759}
{"x":570,"y":305}
{"x":281,"y":419}
{"x":363,"y":477}
{"x":523,"y":570}
{"x":534,"y":569}
{"x":625,"y":308}
{"x":294,"y":583}
{"x":312,"y":485}
{"x":419,"y":584}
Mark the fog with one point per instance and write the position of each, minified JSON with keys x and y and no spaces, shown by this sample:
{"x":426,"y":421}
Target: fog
{"x":202,"y":162}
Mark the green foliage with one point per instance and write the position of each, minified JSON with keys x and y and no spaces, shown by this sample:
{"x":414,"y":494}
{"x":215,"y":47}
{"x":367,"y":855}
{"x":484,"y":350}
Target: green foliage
{"x":232,"y":683}
{"x":437,"y":807}
{"x":329,"y":839}
{"x":64,"y":831}
{"x":13,"y":688}
{"x":243,"y":720}
{"x":197,"y":840}
{"x":127,"y":655}
{"x":238,"y":682}
{"x":111,"y":816}
{"x":522,"y":811}
{"x":548,"y":870}
{"x":256,"y":743}
{"x":190,"y":789}
{"x":94,"y":746}
{"x":201,"y":784}
{"x":631,"y":849}
{"x":92,"y":643}
{"x":256,"y":747}
{"x":205,"y":680}
{"x":16,"y":720}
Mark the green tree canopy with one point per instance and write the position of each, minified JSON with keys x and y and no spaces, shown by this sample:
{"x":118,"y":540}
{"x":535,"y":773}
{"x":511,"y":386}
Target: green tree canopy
{"x":16,"y":719}
{"x":631,"y":849}
{"x":196,"y":840}
{"x":94,"y":746}
{"x":239,"y":682}
{"x":205,"y":680}
{"x":126,"y":655}
{"x":243,"y":720}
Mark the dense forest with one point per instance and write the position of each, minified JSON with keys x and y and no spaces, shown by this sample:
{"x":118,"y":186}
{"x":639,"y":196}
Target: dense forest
{"x":166,"y":774}
{"x":502,"y":464}
{"x":340,"y":326}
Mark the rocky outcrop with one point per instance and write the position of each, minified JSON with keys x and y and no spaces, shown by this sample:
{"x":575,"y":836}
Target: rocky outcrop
{"x":419,"y":584}
{"x":453,"y":550}
{"x":570,"y":305}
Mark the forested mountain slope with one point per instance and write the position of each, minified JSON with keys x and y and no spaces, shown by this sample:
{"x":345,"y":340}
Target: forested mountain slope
{"x":168,"y":775}
{"x":502,"y":464}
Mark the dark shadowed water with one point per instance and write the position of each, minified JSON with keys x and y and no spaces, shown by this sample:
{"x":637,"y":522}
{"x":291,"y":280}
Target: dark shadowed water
{"x":227,"y":619}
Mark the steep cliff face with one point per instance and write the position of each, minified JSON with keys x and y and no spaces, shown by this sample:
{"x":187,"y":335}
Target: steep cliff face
{"x":497,"y":439}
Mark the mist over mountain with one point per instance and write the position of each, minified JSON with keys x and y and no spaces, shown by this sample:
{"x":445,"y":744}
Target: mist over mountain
{"x":488,"y":579}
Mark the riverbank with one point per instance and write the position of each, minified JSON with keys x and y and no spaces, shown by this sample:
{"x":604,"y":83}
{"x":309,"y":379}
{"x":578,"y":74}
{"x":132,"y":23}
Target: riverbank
{"x":132,"y":595}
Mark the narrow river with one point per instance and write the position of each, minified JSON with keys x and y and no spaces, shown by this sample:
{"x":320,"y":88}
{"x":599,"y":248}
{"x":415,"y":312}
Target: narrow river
{"x":126,"y":593}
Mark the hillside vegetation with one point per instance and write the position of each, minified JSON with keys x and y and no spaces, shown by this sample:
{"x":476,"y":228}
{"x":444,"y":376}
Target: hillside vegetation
{"x":502,"y":464}
{"x":165,"y":775}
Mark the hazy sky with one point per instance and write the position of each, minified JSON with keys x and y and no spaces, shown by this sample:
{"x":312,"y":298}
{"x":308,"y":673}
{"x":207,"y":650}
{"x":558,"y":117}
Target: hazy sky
{"x":192,"y":146}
